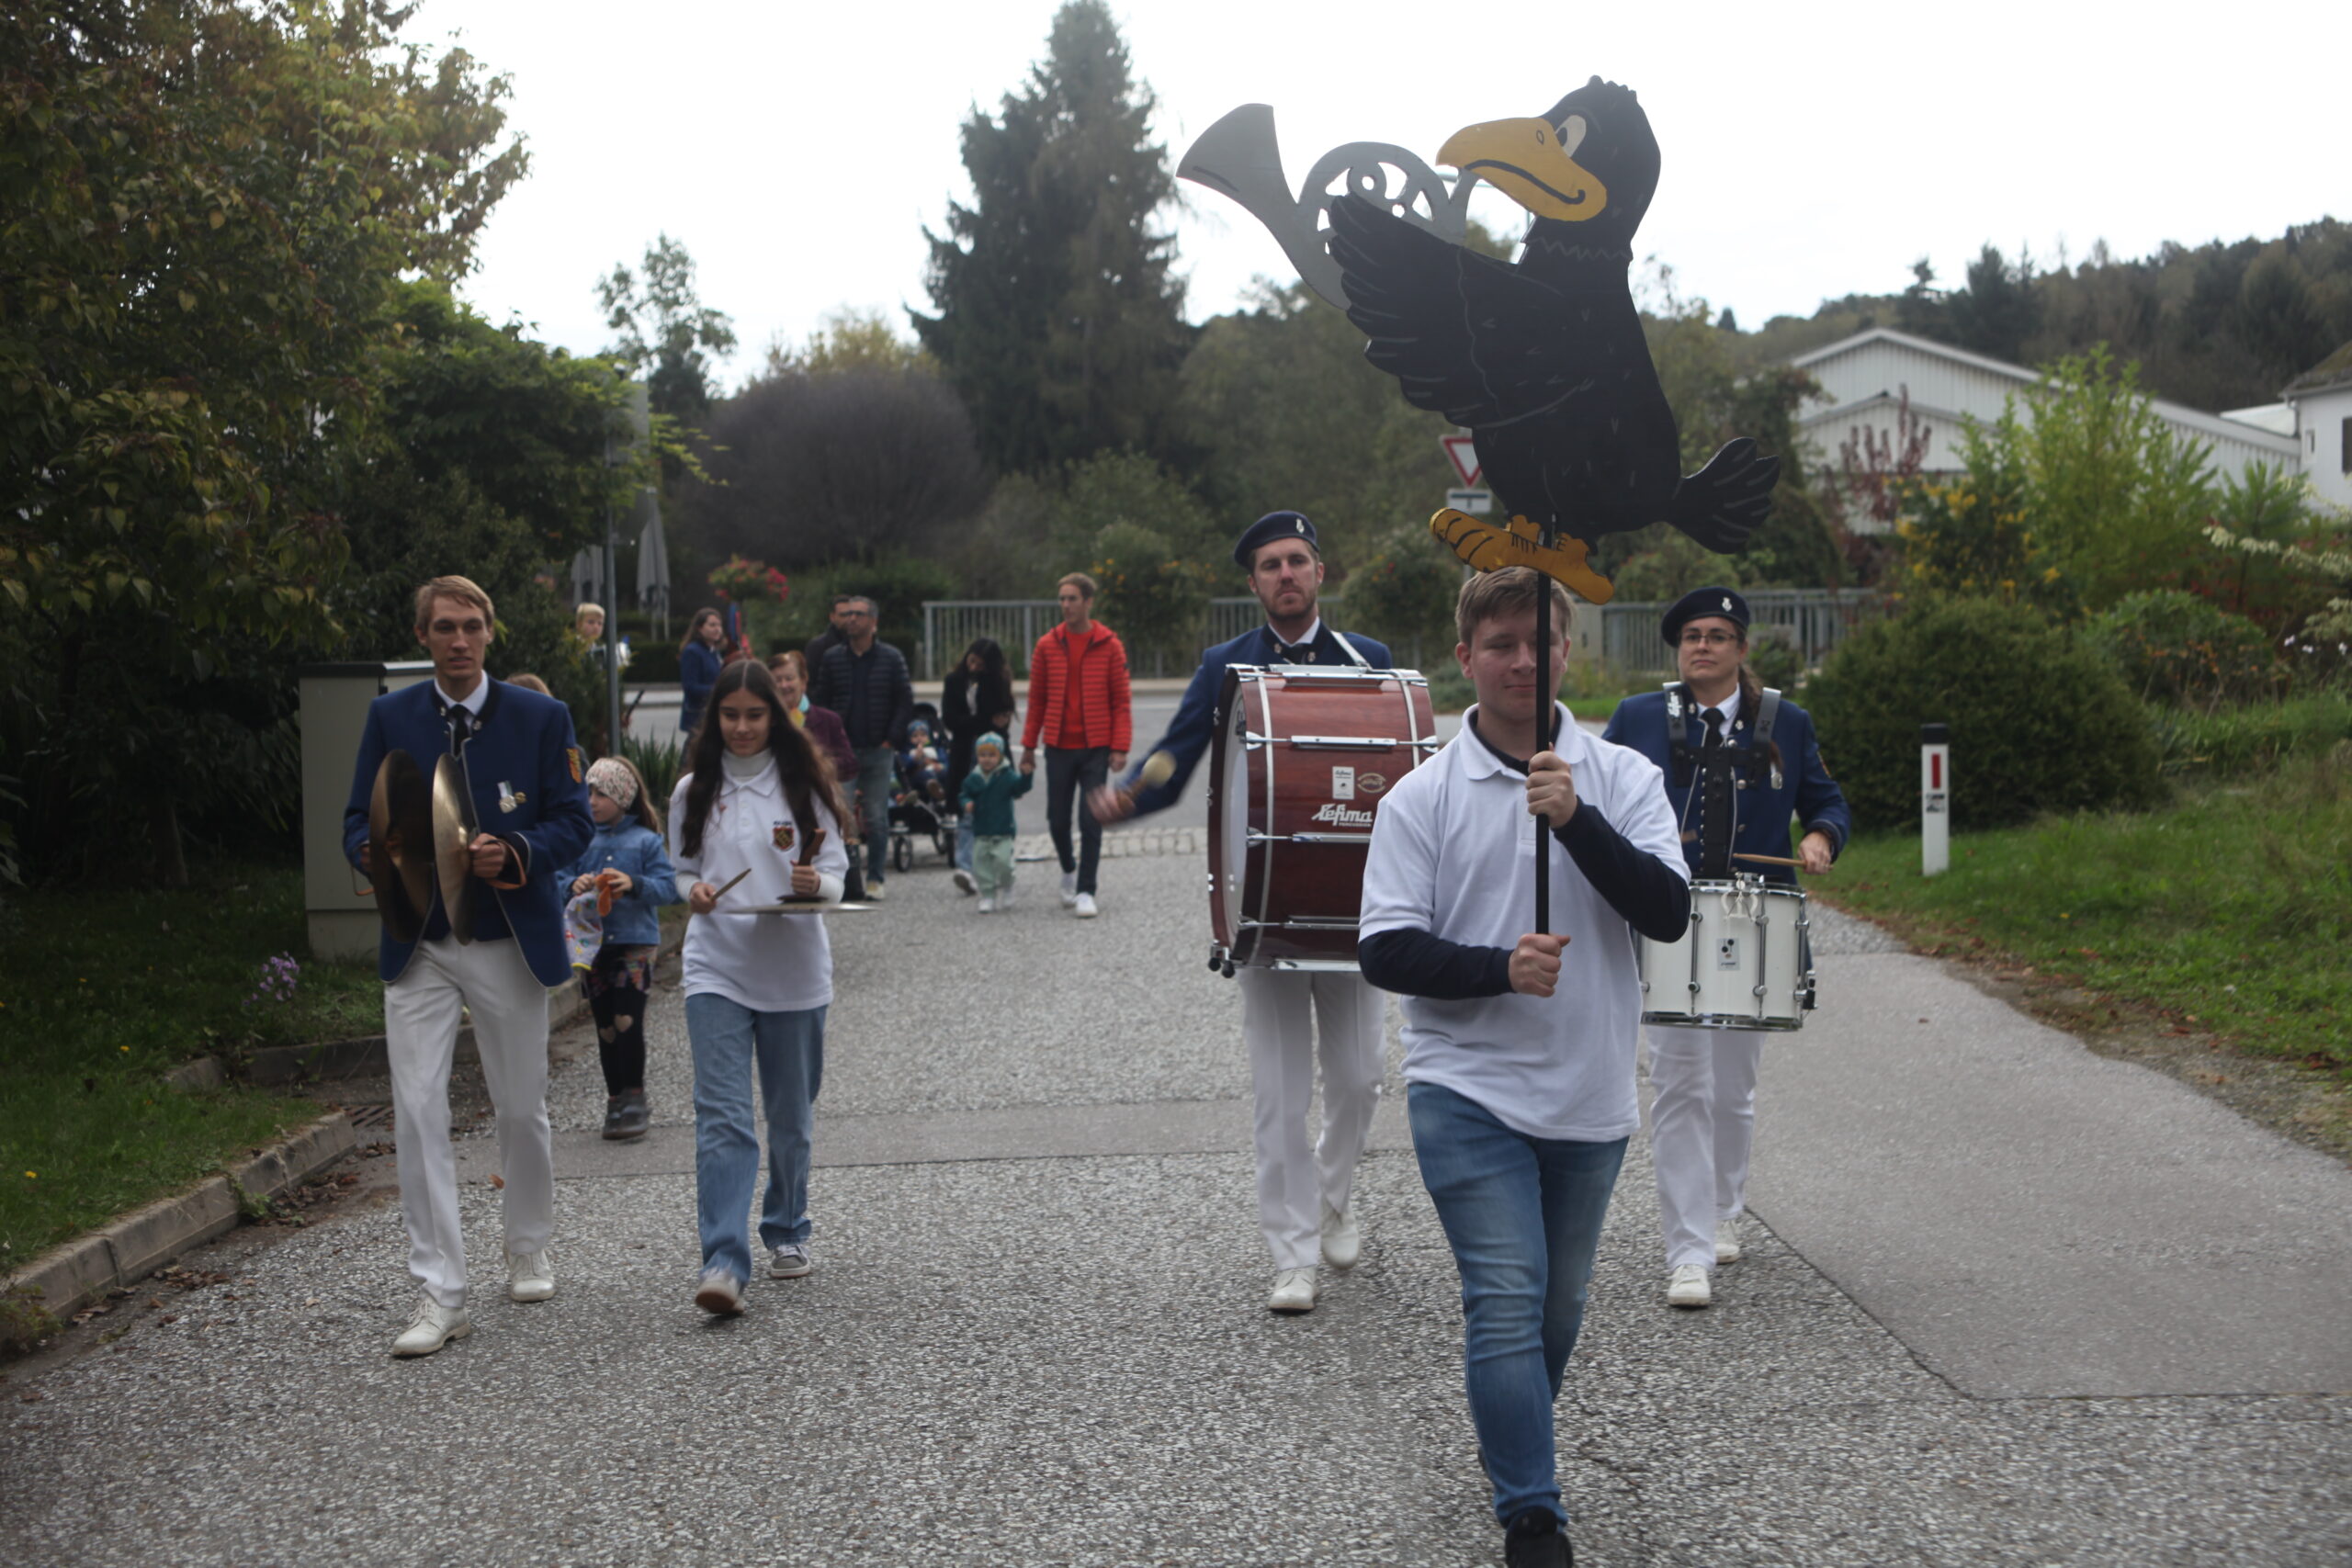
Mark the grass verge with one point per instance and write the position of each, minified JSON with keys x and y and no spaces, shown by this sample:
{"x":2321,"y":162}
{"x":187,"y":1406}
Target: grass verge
{"x":106,"y":990}
{"x":2229,"y":911}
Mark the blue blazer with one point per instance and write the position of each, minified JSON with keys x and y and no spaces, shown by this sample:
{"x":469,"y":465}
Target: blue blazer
{"x":628,"y":845}
{"x":523,"y":769}
{"x":1807,"y":792}
{"x":1196,"y":720}
{"x":698,"y":669}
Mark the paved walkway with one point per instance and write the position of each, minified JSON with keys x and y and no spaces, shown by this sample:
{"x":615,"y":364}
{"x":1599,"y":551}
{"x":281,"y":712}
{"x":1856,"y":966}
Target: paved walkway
{"x":2015,"y":1304}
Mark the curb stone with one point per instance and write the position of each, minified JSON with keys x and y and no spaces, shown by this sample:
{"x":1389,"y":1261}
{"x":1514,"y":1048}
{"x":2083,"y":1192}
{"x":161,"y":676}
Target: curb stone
{"x":120,"y":1254}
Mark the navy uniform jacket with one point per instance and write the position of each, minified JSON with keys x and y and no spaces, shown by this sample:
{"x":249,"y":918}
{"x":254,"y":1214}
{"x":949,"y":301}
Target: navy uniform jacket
{"x":1196,"y":720}
{"x":523,"y":768}
{"x":1806,"y":792}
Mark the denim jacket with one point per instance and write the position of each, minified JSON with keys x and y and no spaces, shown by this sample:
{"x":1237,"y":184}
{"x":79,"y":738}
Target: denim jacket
{"x":629,"y":846}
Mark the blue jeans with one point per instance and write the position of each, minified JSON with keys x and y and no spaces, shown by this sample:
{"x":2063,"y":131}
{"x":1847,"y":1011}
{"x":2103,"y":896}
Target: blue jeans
{"x":789,"y":1048}
{"x":876,"y":768}
{"x":1523,"y":1217}
{"x":964,"y":836}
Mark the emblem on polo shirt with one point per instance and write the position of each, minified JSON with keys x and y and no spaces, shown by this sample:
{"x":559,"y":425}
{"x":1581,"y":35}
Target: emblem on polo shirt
{"x":785,"y":836}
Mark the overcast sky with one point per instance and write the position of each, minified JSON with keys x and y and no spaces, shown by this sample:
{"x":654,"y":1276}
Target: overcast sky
{"x":798,"y":149}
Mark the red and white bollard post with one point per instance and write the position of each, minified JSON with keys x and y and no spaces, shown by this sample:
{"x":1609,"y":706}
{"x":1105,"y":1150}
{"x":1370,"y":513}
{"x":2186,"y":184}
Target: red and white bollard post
{"x":1935,"y":799}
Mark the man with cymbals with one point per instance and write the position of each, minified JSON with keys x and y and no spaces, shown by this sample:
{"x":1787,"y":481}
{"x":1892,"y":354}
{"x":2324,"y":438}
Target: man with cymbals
{"x":519,"y":763}
{"x":1519,"y":1041}
{"x":1741,"y":764}
{"x":1305,"y":1191}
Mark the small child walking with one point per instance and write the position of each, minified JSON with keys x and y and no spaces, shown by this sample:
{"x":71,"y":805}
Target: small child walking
{"x":988,"y":794}
{"x":626,"y":850}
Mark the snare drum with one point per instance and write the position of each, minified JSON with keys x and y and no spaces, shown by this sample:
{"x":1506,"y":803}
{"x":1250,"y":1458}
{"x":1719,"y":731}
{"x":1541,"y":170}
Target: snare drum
{"x":1744,"y":963}
{"x":1298,"y":765}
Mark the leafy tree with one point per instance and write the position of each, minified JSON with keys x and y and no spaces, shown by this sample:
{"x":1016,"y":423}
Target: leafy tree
{"x":1995,"y":314}
{"x":205,"y":210}
{"x":665,"y":330}
{"x":848,"y":339}
{"x":850,"y":465}
{"x":1060,"y":322}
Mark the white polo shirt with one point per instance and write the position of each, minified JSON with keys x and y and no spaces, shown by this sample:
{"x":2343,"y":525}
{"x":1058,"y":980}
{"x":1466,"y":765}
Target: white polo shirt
{"x":1452,"y":854}
{"x":767,"y":963}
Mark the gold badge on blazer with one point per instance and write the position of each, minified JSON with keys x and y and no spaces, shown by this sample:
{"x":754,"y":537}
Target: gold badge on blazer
{"x":785,"y":836}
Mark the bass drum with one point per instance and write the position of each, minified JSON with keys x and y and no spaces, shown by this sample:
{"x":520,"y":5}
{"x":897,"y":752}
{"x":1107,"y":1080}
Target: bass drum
{"x":1300,"y":760}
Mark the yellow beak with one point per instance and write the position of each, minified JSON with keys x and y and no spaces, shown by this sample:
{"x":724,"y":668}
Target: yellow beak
{"x":1524,"y":159}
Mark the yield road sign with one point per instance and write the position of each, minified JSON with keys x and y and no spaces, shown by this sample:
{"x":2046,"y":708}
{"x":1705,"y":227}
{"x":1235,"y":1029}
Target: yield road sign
{"x":1464,"y":455}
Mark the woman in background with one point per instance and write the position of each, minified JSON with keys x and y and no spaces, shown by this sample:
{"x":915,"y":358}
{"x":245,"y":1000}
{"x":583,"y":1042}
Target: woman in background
{"x":977,"y":700}
{"x":699,"y":658}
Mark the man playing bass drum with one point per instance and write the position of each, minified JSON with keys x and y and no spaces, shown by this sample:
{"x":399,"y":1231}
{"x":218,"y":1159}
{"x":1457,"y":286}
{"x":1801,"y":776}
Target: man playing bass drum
{"x":1302,"y":1193}
{"x":1739,"y":762}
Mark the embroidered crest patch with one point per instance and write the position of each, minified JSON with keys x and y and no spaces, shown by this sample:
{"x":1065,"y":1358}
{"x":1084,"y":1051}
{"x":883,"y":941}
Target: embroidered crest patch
{"x":785,"y":836}
{"x":571,"y":755}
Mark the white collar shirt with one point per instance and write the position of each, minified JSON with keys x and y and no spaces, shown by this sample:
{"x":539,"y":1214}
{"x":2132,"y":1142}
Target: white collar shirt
{"x":767,"y":963}
{"x":1728,"y":707}
{"x":1453,"y":853}
{"x":471,"y":702}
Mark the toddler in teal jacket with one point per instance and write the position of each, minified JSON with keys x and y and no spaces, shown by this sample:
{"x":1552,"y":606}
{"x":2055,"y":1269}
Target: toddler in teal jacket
{"x":988,"y":794}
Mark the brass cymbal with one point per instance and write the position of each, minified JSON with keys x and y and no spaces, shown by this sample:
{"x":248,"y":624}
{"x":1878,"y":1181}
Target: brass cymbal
{"x":399,"y":845}
{"x":453,"y":837}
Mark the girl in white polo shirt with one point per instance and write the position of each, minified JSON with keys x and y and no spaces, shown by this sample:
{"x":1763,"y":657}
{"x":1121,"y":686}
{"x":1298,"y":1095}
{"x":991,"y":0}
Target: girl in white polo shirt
{"x":761,"y":799}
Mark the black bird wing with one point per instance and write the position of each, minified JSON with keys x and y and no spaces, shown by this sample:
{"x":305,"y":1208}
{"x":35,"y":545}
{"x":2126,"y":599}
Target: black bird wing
{"x":1728,"y":500}
{"x":1469,"y":336}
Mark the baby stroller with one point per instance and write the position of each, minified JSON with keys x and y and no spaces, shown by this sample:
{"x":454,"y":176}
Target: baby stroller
{"x":922,"y":805}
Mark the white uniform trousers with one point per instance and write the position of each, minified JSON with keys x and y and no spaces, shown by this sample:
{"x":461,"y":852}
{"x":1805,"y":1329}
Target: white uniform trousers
{"x":1703,"y":1123}
{"x":510,"y":1019}
{"x":1289,"y":1018}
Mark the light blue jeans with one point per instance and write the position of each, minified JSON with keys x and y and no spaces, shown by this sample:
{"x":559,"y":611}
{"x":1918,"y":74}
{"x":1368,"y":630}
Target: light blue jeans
{"x":789,"y":1048}
{"x":1523,"y":1217}
{"x":964,"y":836}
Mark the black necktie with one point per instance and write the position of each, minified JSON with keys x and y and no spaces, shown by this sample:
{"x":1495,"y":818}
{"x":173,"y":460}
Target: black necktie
{"x":461,"y":726}
{"x":1293,"y":652}
{"x":1713,"y":718}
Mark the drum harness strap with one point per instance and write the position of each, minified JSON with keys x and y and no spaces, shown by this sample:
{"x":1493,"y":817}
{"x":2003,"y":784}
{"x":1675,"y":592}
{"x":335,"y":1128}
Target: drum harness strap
{"x":1715,"y":768}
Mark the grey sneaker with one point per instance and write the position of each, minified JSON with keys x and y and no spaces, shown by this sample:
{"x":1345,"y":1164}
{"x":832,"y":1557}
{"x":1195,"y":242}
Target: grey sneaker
{"x":965,"y":881}
{"x":626,"y":1116}
{"x":720,"y":1293}
{"x":789,"y":1262}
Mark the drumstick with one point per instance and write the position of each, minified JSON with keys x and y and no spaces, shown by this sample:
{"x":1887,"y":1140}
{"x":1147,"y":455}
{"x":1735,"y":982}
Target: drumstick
{"x":731,"y":882}
{"x":1768,"y":859}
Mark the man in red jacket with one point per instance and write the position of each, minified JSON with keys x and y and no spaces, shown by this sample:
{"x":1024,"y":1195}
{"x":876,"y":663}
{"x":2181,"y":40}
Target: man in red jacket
{"x":1077,"y":701}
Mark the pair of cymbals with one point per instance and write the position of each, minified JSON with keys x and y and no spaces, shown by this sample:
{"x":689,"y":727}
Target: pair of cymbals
{"x":420,"y":840}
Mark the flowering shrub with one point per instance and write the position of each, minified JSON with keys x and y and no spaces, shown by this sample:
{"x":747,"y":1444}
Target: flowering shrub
{"x":278,"y":978}
{"x":2184,"y":651}
{"x":746,"y":582}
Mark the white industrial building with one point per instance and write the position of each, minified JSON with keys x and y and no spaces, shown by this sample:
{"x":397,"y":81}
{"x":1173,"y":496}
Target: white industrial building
{"x":1865,"y":378}
{"x":2321,"y":399}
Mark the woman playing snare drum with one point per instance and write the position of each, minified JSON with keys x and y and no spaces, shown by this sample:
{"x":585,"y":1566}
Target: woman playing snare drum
{"x":1734,"y":790}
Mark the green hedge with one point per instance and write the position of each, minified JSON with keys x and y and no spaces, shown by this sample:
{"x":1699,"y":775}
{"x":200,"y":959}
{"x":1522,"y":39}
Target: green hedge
{"x":2176,"y":648}
{"x":2039,"y":722}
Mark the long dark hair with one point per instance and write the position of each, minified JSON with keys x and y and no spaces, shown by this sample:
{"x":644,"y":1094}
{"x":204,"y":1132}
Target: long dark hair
{"x":807,"y":773}
{"x":694,"y":628}
{"x":991,"y":656}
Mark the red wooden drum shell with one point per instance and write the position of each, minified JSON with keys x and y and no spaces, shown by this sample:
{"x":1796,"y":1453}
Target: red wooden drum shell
{"x":1301,"y":759}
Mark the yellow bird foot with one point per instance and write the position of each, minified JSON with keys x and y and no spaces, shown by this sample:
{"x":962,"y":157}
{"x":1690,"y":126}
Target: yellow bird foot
{"x":1486,"y":547}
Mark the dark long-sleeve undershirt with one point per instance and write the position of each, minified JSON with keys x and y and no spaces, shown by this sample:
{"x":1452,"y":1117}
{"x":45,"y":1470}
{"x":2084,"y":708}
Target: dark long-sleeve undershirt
{"x":1650,"y":896}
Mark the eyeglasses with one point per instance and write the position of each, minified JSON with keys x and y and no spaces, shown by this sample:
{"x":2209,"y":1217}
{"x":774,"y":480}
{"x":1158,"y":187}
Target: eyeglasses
{"x":1708,"y":640}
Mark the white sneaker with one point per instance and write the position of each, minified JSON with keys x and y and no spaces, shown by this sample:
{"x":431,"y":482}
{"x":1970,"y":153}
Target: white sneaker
{"x":789,"y":1262}
{"x":1004,"y":898}
{"x":1070,"y":888}
{"x":988,"y":906}
{"x":1293,"y":1291}
{"x":1689,"y":1287}
{"x":874,"y":890}
{"x":720,"y":1293}
{"x":965,"y":881}
{"x":1085,"y":908}
{"x":1342,"y":1241}
{"x":433,"y":1327}
{"x":1728,"y":1242}
{"x":531,"y":1276}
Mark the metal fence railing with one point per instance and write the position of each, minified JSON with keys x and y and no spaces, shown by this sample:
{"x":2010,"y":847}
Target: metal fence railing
{"x":1811,"y":620}
{"x":950,"y":624}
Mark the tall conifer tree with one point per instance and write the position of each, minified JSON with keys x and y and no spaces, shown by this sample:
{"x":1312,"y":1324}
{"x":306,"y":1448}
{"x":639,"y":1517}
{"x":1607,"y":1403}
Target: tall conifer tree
{"x":1059,"y":319}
